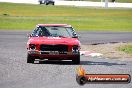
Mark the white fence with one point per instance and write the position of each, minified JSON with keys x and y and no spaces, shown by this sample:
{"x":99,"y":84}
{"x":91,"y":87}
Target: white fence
{"x":102,"y":3}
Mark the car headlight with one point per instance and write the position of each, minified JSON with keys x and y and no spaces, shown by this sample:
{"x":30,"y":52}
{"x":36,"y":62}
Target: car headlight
{"x":75,"y":49}
{"x":32,"y":46}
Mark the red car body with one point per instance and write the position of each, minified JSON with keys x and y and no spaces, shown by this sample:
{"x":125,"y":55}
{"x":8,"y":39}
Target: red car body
{"x":53,"y":47}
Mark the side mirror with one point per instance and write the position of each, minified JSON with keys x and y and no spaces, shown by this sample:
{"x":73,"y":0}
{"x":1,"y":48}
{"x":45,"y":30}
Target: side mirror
{"x":75,"y":35}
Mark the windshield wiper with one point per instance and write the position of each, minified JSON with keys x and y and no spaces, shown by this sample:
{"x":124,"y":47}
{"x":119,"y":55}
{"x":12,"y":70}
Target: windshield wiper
{"x":62,"y":36}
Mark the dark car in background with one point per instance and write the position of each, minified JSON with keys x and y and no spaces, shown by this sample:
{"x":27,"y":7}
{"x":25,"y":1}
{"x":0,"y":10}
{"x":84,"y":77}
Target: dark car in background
{"x":53,"y":42}
{"x":47,"y":2}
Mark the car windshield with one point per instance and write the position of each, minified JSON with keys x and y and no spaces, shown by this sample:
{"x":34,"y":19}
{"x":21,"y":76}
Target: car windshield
{"x":54,"y":32}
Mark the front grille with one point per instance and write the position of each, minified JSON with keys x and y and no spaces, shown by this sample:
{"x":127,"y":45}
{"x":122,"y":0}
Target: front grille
{"x":60,"y":48}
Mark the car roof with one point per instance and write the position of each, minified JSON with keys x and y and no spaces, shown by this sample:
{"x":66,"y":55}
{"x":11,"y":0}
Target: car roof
{"x":59,"y":25}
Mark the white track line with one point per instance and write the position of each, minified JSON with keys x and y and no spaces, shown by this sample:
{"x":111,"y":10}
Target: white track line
{"x":90,"y":53}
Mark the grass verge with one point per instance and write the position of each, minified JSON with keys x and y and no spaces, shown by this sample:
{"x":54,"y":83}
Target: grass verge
{"x":126,"y":49}
{"x":26,"y":16}
{"x":112,"y":51}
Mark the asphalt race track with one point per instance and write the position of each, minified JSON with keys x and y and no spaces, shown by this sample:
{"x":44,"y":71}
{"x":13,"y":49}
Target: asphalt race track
{"x":16,"y":73}
{"x":104,"y":37}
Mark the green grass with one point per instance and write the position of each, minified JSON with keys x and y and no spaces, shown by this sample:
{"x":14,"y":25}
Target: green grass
{"x":26,"y":16}
{"x":130,"y":1}
{"x":126,"y":48}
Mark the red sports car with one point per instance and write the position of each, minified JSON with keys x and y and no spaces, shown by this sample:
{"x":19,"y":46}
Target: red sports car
{"x":53,"y":42}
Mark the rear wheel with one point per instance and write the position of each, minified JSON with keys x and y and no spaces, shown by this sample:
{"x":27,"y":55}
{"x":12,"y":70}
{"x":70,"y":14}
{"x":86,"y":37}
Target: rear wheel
{"x":76,"y":60}
{"x":30,"y":59}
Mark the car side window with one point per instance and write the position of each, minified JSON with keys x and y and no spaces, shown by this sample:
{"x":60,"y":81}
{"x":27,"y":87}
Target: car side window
{"x":34,"y":32}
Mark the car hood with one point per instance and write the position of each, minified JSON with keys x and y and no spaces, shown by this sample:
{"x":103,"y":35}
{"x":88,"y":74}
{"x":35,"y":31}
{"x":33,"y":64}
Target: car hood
{"x":53,"y":40}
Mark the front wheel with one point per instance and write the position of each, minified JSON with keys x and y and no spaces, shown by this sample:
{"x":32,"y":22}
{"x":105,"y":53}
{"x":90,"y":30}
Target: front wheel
{"x":76,"y":60}
{"x":53,"y":3}
{"x":30,"y":59}
{"x":40,"y":2}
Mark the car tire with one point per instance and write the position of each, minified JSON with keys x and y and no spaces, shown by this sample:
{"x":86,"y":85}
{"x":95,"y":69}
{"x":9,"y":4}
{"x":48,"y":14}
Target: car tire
{"x":47,"y":3}
{"x":76,"y":60}
{"x":30,"y":59}
{"x":40,"y":2}
{"x":53,"y":3}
